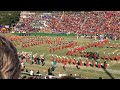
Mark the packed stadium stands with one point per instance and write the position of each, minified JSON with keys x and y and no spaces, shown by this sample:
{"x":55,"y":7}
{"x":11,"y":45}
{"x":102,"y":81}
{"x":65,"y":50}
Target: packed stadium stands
{"x":91,"y":22}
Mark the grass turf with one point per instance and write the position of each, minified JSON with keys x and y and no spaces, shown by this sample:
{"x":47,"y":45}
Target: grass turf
{"x":91,"y":73}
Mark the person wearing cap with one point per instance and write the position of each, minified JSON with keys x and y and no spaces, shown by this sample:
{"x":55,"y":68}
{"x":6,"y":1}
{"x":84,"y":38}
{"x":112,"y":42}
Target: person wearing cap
{"x":104,"y":56}
{"x":118,"y":57}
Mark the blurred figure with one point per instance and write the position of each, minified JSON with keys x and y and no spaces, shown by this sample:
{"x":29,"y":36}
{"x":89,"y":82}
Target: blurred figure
{"x":9,"y":61}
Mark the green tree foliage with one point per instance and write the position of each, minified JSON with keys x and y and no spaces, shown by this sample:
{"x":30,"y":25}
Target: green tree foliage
{"x":9,"y":17}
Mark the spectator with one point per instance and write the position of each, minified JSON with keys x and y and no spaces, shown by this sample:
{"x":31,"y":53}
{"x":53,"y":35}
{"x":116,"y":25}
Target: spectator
{"x":9,"y":61}
{"x":100,"y":77}
{"x":31,"y":73}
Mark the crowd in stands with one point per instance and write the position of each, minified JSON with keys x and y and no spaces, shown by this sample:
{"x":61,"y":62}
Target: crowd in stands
{"x":92,"y":22}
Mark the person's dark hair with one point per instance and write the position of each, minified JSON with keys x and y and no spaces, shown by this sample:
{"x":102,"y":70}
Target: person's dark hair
{"x":9,"y":62}
{"x":26,"y":70}
{"x":100,"y":77}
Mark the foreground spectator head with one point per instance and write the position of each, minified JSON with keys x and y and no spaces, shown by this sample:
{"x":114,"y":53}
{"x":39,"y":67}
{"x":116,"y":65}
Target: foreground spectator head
{"x":9,"y":62}
{"x":100,"y":78}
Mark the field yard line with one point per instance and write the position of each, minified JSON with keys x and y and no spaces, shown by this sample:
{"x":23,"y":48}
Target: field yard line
{"x":114,"y":51}
{"x":112,"y":64}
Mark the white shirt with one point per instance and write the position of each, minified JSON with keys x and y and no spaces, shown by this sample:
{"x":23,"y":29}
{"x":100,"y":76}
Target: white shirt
{"x":31,"y":72}
{"x":22,"y":64}
{"x":60,"y":75}
{"x":50,"y":76}
{"x":51,"y":63}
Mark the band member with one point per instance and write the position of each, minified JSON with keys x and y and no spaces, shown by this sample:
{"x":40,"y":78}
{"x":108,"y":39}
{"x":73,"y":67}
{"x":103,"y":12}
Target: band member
{"x":81,"y":62}
{"x":53,"y":49}
{"x":76,"y":54}
{"x":57,"y":58}
{"x":53,"y":58}
{"x":70,"y":60}
{"x":42,"y":58}
{"x":82,"y":54}
{"x":68,"y":52}
{"x":87,"y":63}
{"x":99,"y":65}
{"x":59,"y":47}
{"x":113,"y":57}
{"x":66,"y":59}
{"x":93,"y":63}
{"x":118,"y":57}
{"x":104,"y":56}
{"x":64,"y":66}
{"x":78,"y":63}
{"x":63,"y":59}
{"x":74,"y":62}
{"x":108,"y":57}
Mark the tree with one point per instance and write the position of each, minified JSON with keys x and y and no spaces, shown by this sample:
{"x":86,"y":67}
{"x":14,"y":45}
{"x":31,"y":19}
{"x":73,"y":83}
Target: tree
{"x":9,"y":17}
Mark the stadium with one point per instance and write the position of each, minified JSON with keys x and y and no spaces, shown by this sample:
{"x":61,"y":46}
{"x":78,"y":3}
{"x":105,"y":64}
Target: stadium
{"x":62,"y":44}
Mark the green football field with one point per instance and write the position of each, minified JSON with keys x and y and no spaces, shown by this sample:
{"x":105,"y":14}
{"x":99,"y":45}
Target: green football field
{"x":113,"y":70}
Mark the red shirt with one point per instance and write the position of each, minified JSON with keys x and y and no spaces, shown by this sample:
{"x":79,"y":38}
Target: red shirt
{"x":87,"y":63}
{"x":108,"y":57}
{"x":94,"y":55}
{"x":70,"y":60}
{"x":80,"y":62}
{"x":52,"y":58}
{"x":104,"y":56}
{"x":99,"y":65}
{"x":118,"y":57}
{"x":75,"y":61}
{"x":57,"y":59}
{"x":113,"y":57}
